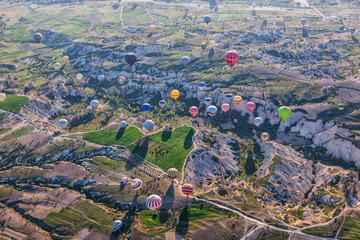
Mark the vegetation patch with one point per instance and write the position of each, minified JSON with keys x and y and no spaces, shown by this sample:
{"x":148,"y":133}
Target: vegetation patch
{"x":13,"y":103}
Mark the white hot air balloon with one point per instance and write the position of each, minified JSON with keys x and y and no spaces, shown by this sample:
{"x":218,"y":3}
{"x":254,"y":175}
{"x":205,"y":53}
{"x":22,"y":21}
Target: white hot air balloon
{"x":117,"y":225}
{"x":63,"y":123}
{"x":2,"y":97}
{"x":124,"y":180}
{"x":79,"y":76}
{"x":94,"y":104}
{"x":123,"y":124}
{"x":153,"y":202}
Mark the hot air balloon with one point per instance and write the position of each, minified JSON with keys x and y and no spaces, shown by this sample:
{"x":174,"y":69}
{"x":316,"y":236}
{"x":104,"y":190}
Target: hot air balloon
{"x":153,"y":202}
{"x":185,"y":60}
{"x":212,"y":110}
{"x":146,"y":107}
{"x":258,"y":121}
{"x":172,"y":173}
{"x":250,"y":106}
{"x":57,"y":66}
{"x":207,"y":101}
{"x":37,"y":37}
{"x":341,"y":106}
{"x":63,"y":123}
{"x":324,"y":90}
{"x":2,"y":97}
{"x":130,"y":58}
{"x":124,"y":180}
{"x":237,"y":99}
{"x":352,"y":30}
{"x":175,"y":94}
{"x":225,"y":107}
{"x":229,"y":96}
{"x":201,"y":85}
{"x":136,"y":184}
{"x":148,"y":124}
{"x":66,"y":58}
{"x":121,"y":80}
{"x":204,"y":43}
{"x":79,"y":76}
{"x":123,"y":124}
{"x":94,"y":104}
{"x":116,"y":225}
{"x":284,"y":113}
{"x":193,"y":111}
{"x":186,"y":10}
{"x":207,"y":19}
{"x":152,"y":28}
{"x":162,"y":103}
{"x":101,"y":78}
{"x":232,"y":57}
{"x":303,"y":21}
{"x":265,"y":136}
{"x":187,"y":189}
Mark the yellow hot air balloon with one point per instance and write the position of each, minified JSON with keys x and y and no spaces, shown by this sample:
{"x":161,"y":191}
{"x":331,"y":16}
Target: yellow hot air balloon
{"x":175,"y":94}
{"x":204,"y":43}
{"x":152,"y":27}
{"x":237,"y":99}
{"x":66,"y":58}
{"x":57,"y":66}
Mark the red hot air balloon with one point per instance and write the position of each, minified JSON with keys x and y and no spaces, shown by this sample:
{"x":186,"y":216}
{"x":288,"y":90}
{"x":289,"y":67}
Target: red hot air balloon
{"x":250,"y":106}
{"x":232,"y":57}
{"x":225,"y":107}
{"x":193,"y":111}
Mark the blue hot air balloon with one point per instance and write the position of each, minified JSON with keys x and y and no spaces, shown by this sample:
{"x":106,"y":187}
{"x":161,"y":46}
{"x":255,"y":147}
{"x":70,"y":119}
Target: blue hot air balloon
{"x":63,"y":123}
{"x":162,"y":103}
{"x":185,"y":60}
{"x":258,"y":121}
{"x":201,"y":85}
{"x":211,"y":110}
{"x":123,"y":124}
{"x":352,"y":30}
{"x":146,"y":107}
{"x":207,"y":19}
{"x":94,"y":103}
{"x":148,"y":124}
{"x":37,"y":37}
{"x":303,"y":21}
{"x":207,"y":101}
{"x":229,"y":96}
{"x":130,"y":58}
{"x":186,"y":10}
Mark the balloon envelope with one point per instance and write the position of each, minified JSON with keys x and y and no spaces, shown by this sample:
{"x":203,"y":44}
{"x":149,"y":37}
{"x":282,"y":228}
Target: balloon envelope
{"x":121,"y":80}
{"x":258,"y":121}
{"x":175,"y":94}
{"x":207,"y":101}
{"x":148,"y":124}
{"x":193,"y":111}
{"x":130,"y":58}
{"x":187,"y":189}
{"x":341,"y":106}
{"x":172,"y":173}
{"x":37,"y":37}
{"x":2,"y":97}
{"x":79,"y":76}
{"x":229,"y":96}
{"x":185,"y":60}
{"x":352,"y":30}
{"x":303,"y":21}
{"x":63,"y":123}
{"x":225,"y":107}
{"x":265,"y":136}
{"x":152,"y":28}
{"x":207,"y":19}
{"x":250,"y":106}
{"x":284,"y":112}
{"x":57,"y":66}
{"x":146,"y":107}
{"x":101,"y":78}
{"x":136,"y":184}
{"x":232,"y":57}
{"x":212,"y":110}
{"x":237,"y":99}
{"x":162,"y":103}
{"x":201,"y":85}
{"x":123,"y":124}
{"x":153,"y":202}
{"x":124,"y":180}
{"x":94,"y":103}
{"x":117,"y":225}
{"x":66,"y":58}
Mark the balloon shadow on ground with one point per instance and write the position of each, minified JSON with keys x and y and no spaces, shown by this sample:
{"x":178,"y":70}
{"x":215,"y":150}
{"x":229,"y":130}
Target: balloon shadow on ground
{"x":120,"y":133}
{"x":168,"y":199}
{"x":183,"y":225}
{"x":355,"y":39}
{"x":150,"y":34}
{"x":166,"y":136}
{"x":122,"y":186}
{"x":163,"y":215}
{"x":188,"y":142}
{"x":138,"y":154}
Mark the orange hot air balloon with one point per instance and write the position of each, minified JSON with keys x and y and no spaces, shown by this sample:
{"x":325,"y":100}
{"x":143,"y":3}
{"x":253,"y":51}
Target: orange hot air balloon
{"x":237,"y":99}
{"x":66,"y":58}
{"x":193,"y":111}
{"x":175,"y":94}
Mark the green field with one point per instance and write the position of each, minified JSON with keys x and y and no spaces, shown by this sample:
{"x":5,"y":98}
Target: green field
{"x":18,"y":133}
{"x":351,"y":227}
{"x":13,"y":103}
{"x":166,"y":149}
{"x":109,"y":137}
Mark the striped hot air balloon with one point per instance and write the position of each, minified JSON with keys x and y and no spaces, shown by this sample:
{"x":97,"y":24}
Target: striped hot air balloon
{"x":130,"y":58}
{"x":341,"y":106}
{"x":136,"y":184}
{"x":237,"y":99}
{"x":232,"y":57}
{"x":121,"y":80}
{"x":172,"y":173}
{"x":175,"y":94}
{"x":153,"y":202}
{"x":187,"y":189}
{"x":250,"y":106}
